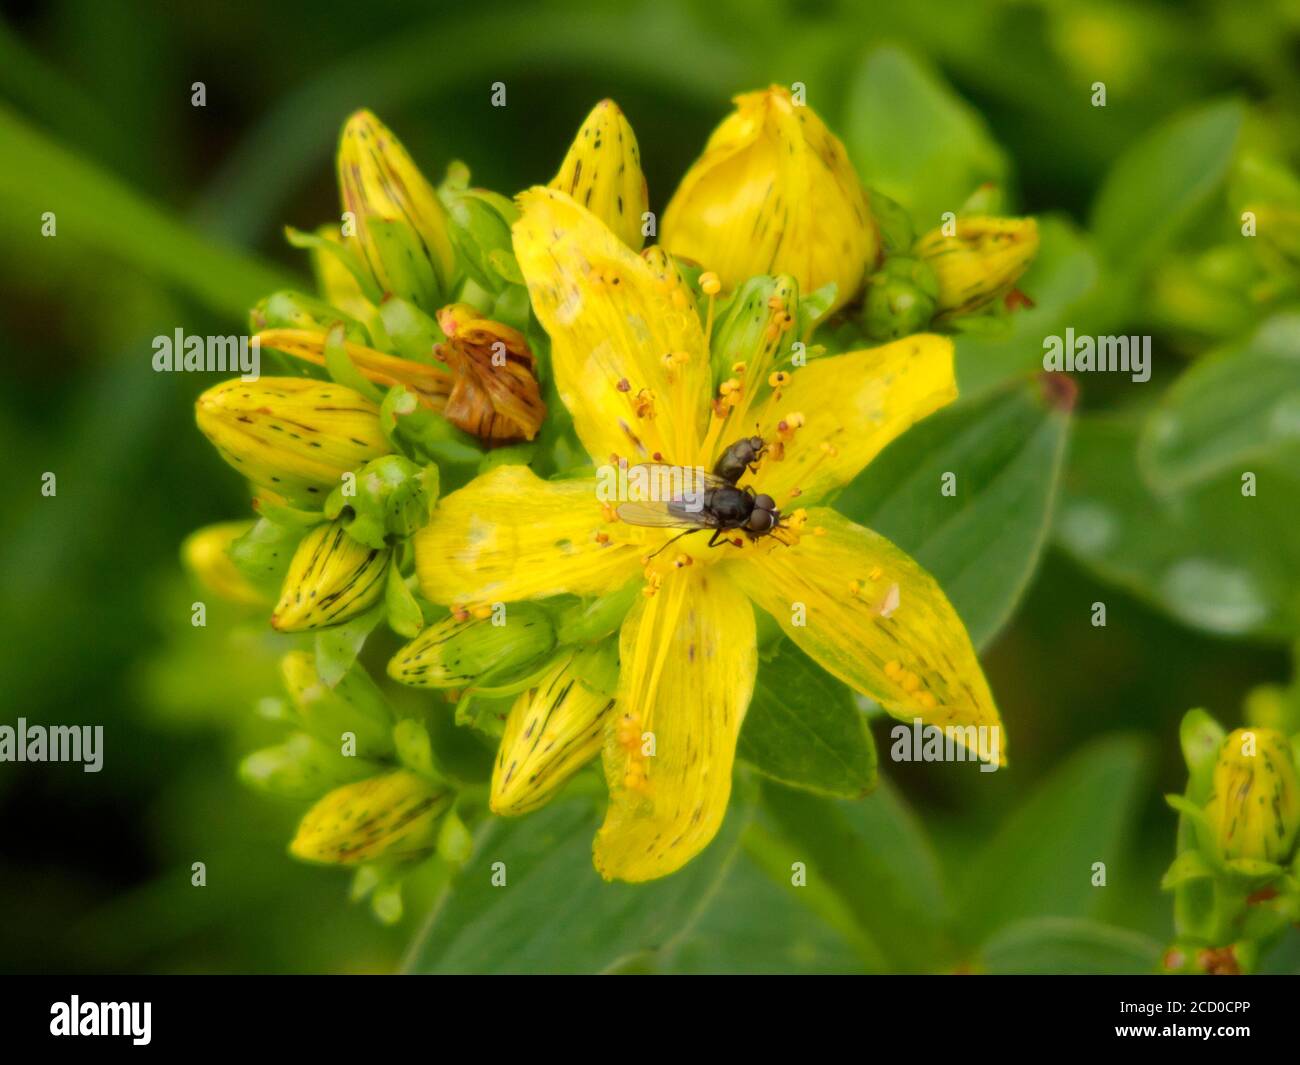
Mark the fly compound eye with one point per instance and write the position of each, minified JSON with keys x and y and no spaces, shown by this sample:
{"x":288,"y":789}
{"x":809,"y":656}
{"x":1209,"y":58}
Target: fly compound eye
{"x":760,"y":521}
{"x":765,"y":502}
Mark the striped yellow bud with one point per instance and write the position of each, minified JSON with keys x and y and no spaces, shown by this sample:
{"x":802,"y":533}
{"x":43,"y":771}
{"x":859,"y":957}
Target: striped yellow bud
{"x":401,"y":226}
{"x":205,"y":552}
{"x":331,"y":579}
{"x":1254,"y":804}
{"x":603,"y":173}
{"x":391,"y":816}
{"x":775,"y":193}
{"x":554,"y":729}
{"x":462,"y":652}
{"x":289,"y":435}
{"x":980,"y":262}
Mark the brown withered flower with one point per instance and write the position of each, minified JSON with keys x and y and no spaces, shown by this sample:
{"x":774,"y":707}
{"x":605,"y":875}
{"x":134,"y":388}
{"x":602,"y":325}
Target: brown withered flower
{"x":495,"y":396}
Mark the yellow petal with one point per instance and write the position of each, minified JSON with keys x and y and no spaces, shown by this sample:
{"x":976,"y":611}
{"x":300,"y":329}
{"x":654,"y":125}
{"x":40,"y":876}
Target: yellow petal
{"x":627,"y":348}
{"x":395,"y":815}
{"x":554,"y":729}
{"x":774,"y":193}
{"x":509,"y":535}
{"x":850,"y":407}
{"x":206,"y":553}
{"x":874,"y":618}
{"x":603,"y":173}
{"x":688,"y":661}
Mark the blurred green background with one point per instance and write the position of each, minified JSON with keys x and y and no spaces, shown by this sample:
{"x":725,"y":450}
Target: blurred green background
{"x":170,"y":216}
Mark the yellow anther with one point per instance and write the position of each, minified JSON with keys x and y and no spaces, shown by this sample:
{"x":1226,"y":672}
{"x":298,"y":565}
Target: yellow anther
{"x":644,"y":404}
{"x":829,"y":448}
{"x":927,"y":701}
{"x":728,"y":386}
{"x":893,"y":669}
{"x":710,"y":284}
{"x":778,"y":378}
{"x":855,"y":587}
{"x":776,"y":303}
{"x":875,"y":574}
{"x":794,"y":419}
{"x":910,"y":682}
{"x":738,"y":368}
{"x":683,"y":560}
{"x":482,"y":612}
{"x":460,"y":613}
{"x":608,"y":512}
{"x":602,"y":538}
{"x":624,"y":385}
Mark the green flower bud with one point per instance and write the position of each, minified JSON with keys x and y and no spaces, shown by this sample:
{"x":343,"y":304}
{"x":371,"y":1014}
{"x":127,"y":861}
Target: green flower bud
{"x":353,"y":705}
{"x":393,"y":816}
{"x":753,"y":328}
{"x":392,"y":497}
{"x":465,"y":651}
{"x":1254,"y":805}
{"x":401,"y":226}
{"x":902,"y":298}
{"x":480,"y":229}
{"x":301,"y":768}
{"x":291,"y":436}
{"x":331,"y":579}
{"x":980,"y":262}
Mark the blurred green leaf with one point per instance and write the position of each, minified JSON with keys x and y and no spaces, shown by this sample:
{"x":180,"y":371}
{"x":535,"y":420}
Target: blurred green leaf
{"x":1211,"y":557}
{"x":873,"y":854}
{"x":1228,"y":411}
{"x":555,"y":914}
{"x":96,"y":212}
{"x":1040,"y":864}
{"x":983,"y":543}
{"x":913,"y":138}
{"x":803,"y":728}
{"x":1160,"y":182}
{"x":1050,"y":946}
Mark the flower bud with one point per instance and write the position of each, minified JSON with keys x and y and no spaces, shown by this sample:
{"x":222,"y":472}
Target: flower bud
{"x":401,"y":227}
{"x":390,"y":816}
{"x":469,"y":651}
{"x":902,"y":298}
{"x":774,"y":193}
{"x":353,"y":705}
{"x":753,"y":326}
{"x":495,"y":396}
{"x":290,"y":435}
{"x":1254,"y":805}
{"x":393,"y":497}
{"x":331,"y":579}
{"x":981,"y":262}
{"x":603,"y":173}
{"x":294,"y":310}
{"x":555,"y":729}
{"x":301,"y":768}
{"x":206,"y":553}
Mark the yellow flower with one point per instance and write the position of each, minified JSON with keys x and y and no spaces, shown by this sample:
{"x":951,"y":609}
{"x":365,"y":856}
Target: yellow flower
{"x":602,"y":171}
{"x":774,"y":193}
{"x":620,"y":328}
{"x":205,"y":552}
{"x":1254,"y":807}
{"x":331,"y":579}
{"x":401,"y":226}
{"x":391,"y":816}
{"x":291,"y":436}
{"x":981,"y":262}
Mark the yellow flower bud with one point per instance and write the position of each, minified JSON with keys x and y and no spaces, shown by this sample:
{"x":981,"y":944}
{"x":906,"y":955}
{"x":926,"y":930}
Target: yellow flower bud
{"x":554,"y":730}
{"x":1254,"y":805}
{"x":603,"y":173}
{"x":774,"y":193}
{"x":392,"y":816}
{"x":205,"y":553}
{"x":496,"y":396}
{"x":401,"y":226}
{"x":462,"y":652}
{"x":981,"y":262}
{"x":332,"y":578}
{"x":290,"y":435}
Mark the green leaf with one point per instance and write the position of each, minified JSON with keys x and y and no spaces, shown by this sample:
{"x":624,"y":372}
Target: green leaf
{"x":555,"y":914}
{"x":1062,"y":275}
{"x":1228,"y":411}
{"x":337,"y":647}
{"x":1040,"y":863}
{"x":1210,"y":557}
{"x":1156,"y":187}
{"x":99,"y":215}
{"x":873,"y":855}
{"x":913,"y":138}
{"x":1050,"y":946}
{"x":983,"y":543}
{"x":803,"y":728}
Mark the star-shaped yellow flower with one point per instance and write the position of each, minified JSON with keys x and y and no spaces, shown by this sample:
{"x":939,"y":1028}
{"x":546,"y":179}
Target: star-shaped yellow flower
{"x":631,"y":361}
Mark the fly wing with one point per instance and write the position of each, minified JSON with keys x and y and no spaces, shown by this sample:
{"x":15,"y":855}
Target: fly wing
{"x":661,"y":516}
{"x":665,"y":496}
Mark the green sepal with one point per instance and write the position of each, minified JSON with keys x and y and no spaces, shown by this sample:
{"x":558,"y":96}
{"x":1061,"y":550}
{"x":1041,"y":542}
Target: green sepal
{"x":264,"y":552}
{"x":412,"y":332}
{"x":423,"y":434}
{"x":351,"y":262}
{"x":343,"y":370}
{"x":404,"y":614}
{"x":588,"y":620}
{"x":337,"y":647}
